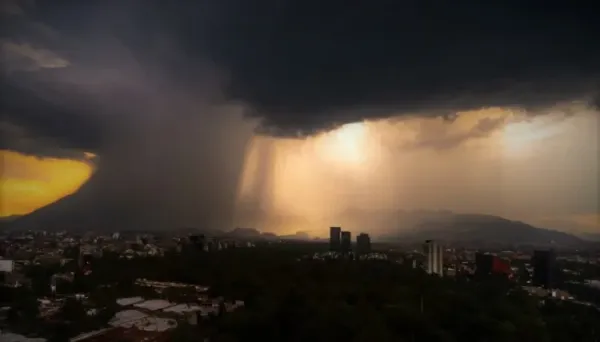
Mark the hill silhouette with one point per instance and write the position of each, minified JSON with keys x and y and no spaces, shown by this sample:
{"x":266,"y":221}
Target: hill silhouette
{"x":88,"y":209}
{"x":475,"y":229}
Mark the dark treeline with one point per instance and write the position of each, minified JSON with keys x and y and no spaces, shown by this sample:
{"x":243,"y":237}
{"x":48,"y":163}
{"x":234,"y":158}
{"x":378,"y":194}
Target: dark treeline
{"x":292,"y":299}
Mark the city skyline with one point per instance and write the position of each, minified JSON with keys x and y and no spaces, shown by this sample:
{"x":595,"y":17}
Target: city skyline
{"x":234,"y":170}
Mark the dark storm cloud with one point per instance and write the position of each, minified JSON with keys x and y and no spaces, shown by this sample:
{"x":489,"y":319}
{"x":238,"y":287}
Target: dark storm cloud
{"x":304,"y":66}
{"x":16,"y":138}
{"x":29,"y":122}
{"x":170,"y":147}
{"x":10,"y":7}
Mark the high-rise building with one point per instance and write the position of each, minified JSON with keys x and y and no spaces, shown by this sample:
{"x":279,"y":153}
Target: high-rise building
{"x":483,"y":264}
{"x":346,"y":242}
{"x":199,"y":241}
{"x":435,"y":257}
{"x":363,"y":243}
{"x":487,"y":264}
{"x":544,"y":263}
{"x":335,"y":238}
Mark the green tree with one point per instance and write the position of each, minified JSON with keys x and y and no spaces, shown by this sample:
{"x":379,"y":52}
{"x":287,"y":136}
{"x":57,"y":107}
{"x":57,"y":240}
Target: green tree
{"x":72,"y":310}
{"x":186,"y":333}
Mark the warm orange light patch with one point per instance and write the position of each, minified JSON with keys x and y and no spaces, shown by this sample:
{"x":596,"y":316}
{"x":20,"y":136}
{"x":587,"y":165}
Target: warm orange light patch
{"x":28,"y":183}
{"x":346,"y":144}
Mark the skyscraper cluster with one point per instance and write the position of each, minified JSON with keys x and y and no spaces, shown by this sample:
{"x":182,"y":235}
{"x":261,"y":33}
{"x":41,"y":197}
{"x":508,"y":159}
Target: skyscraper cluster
{"x":341,"y":241}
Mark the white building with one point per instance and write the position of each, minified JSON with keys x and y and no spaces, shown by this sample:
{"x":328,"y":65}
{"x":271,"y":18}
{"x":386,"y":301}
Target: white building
{"x":435,"y":257}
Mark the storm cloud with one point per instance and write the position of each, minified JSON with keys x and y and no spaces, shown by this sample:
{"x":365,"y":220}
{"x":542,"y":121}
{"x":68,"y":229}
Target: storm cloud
{"x":169,"y":94}
{"x":303,"y":67}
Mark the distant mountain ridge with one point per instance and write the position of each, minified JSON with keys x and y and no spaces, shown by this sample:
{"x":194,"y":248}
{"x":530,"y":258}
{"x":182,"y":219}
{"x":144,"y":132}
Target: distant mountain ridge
{"x":460,"y":229}
{"x":475,"y":228}
{"x":392,"y":226}
{"x":448,"y":227}
{"x":255,"y":234}
{"x":591,"y":236}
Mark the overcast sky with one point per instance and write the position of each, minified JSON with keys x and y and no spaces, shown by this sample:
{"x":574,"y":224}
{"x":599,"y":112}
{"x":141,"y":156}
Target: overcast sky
{"x":285,"y":115}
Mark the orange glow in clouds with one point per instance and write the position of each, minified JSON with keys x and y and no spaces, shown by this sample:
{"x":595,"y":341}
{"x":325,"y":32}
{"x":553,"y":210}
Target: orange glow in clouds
{"x":29,"y":183}
{"x":478,"y":162}
{"x":308,"y":178}
{"x":346,"y":144}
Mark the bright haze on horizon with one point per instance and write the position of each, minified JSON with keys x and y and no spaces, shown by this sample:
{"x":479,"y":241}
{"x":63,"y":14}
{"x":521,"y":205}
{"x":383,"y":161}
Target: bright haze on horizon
{"x":234,"y":113}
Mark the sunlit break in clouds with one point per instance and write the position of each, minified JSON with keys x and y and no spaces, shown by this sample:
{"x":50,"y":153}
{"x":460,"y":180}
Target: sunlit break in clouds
{"x":346,"y":144}
{"x":537,"y":169}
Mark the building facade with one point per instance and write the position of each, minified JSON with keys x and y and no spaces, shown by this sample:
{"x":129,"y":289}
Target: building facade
{"x":544,"y":268}
{"x":435,"y":257}
{"x":363,"y":243}
{"x":335,"y":238}
{"x":346,"y":242}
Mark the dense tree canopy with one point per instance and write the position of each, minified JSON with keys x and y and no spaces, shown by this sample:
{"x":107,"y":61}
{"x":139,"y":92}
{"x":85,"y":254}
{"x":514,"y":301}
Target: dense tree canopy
{"x":292,"y":299}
